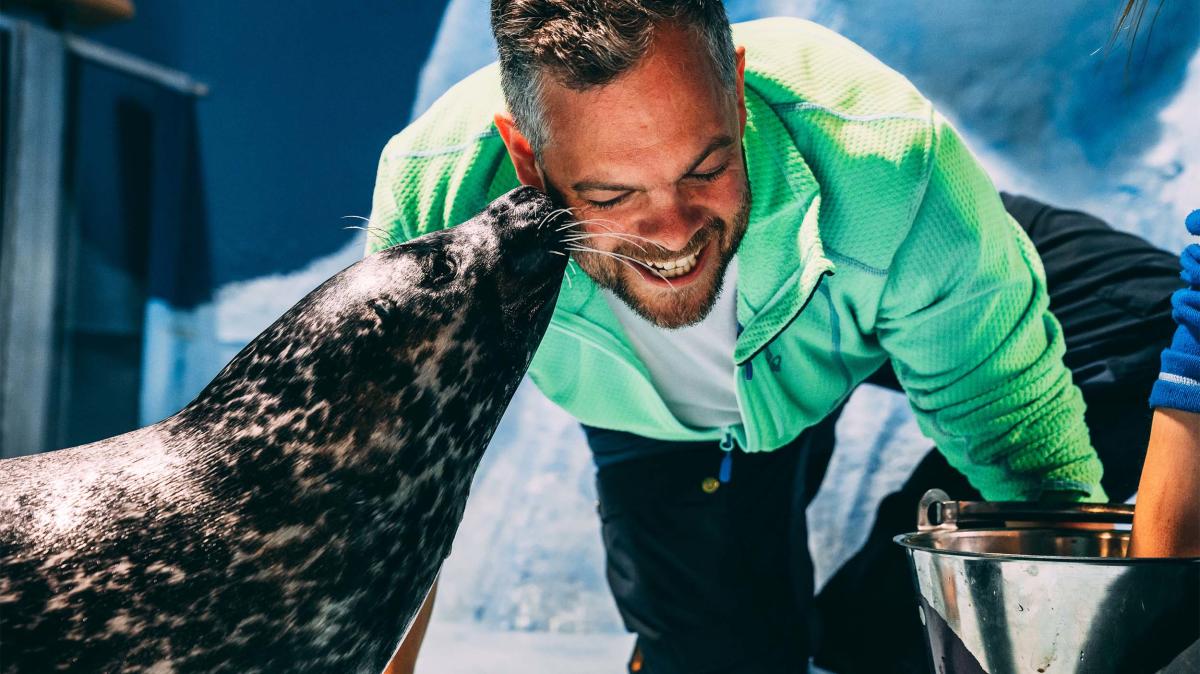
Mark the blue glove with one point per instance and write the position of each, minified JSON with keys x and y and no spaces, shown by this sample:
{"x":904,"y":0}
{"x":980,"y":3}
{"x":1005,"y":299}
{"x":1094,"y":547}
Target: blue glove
{"x":1178,"y":384}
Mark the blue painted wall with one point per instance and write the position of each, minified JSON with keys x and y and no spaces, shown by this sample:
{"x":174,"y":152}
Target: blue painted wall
{"x":251,"y":193}
{"x":304,"y":95}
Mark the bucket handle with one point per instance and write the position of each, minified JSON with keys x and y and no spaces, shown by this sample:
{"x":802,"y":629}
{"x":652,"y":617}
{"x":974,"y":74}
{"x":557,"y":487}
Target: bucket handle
{"x":938,"y":511}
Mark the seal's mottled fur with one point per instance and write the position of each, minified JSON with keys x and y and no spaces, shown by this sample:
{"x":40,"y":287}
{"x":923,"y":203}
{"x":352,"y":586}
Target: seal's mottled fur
{"x":292,"y":518}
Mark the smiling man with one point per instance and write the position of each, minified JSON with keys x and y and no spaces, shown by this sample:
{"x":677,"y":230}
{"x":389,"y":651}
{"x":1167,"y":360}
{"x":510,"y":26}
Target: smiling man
{"x":763,"y":227}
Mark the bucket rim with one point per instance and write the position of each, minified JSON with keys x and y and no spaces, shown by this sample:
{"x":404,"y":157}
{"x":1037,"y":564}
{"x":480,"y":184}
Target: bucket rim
{"x":902,"y":540}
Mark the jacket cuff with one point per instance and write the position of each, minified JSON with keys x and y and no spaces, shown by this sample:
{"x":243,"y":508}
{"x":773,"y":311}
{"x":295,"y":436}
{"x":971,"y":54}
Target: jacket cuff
{"x":1176,"y":392}
{"x":1071,"y":491}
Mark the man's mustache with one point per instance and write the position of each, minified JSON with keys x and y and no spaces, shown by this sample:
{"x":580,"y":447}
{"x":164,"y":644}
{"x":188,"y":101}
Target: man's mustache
{"x":652,"y":252}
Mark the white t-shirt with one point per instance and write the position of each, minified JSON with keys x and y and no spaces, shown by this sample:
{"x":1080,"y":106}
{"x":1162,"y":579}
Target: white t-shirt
{"x":691,"y":367}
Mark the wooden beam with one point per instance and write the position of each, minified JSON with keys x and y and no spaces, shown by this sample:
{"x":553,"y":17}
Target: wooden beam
{"x":102,"y":11}
{"x":87,"y":11}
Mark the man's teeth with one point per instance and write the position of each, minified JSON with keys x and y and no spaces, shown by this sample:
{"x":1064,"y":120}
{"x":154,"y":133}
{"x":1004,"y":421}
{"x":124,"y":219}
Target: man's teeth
{"x":676,"y":267}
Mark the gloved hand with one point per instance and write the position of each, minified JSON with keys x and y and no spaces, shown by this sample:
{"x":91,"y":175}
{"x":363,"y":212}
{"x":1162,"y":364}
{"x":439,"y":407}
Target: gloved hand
{"x":1178,"y":385}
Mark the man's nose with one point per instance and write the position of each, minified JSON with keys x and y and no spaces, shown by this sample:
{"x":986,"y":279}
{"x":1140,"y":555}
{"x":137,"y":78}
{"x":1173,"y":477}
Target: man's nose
{"x":672,"y":225}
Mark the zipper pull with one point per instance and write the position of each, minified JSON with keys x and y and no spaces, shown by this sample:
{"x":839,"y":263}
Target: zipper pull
{"x":726,"y":470}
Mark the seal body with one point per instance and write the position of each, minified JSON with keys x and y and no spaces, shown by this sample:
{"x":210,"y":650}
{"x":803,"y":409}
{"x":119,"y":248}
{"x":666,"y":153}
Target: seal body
{"x":292,"y":517}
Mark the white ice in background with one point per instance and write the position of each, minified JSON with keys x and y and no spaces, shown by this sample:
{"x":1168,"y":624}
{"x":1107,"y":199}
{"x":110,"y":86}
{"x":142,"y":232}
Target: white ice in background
{"x":184,"y":350}
{"x":1026,"y":83}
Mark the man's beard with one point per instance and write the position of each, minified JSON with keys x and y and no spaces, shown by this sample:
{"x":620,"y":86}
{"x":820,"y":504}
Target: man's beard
{"x":671,"y":307}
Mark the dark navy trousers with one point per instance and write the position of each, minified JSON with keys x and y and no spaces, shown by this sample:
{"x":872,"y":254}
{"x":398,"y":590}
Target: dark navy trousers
{"x":720,"y":579}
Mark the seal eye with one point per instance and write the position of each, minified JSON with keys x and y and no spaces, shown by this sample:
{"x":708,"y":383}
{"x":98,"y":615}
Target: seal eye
{"x":440,"y":268}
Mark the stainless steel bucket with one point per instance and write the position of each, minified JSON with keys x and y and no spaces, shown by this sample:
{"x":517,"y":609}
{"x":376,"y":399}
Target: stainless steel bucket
{"x":1048,"y":600}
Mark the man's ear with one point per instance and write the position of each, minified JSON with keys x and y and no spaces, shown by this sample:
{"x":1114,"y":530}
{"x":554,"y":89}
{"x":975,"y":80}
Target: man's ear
{"x":519,"y":151}
{"x":741,"y":85}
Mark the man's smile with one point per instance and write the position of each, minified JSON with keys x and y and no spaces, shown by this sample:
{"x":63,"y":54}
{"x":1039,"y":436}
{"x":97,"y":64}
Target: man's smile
{"x":673,"y":272}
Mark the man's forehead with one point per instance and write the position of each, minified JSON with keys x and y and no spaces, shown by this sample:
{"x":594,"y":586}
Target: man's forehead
{"x":616,"y":127}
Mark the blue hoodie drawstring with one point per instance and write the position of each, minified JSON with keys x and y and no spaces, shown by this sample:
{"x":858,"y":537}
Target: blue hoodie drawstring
{"x":774,"y":362}
{"x":726,"y":470}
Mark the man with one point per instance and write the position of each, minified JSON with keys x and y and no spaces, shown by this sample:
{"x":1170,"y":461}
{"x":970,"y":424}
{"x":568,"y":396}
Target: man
{"x":768,"y":225}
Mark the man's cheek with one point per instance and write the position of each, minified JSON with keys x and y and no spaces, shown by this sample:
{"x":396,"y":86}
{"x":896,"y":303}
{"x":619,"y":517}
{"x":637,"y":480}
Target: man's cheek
{"x":725,"y":200}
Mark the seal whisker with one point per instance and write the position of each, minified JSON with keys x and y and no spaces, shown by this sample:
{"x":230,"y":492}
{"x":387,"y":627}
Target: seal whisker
{"x":627,"y":264}
{"x":596,"y":221}
{"x":570,"y":272}
{"x":546,"y":218}
{"x":382,"y":235}
{"x":576,"y":223}
{"x":618,"y":256}
{"x":612,"y":233}
{"x":624,"y":237}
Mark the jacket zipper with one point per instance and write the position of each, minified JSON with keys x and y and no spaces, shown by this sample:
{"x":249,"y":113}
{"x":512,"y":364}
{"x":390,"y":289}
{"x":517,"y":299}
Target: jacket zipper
{"x":725,"y":472}
{"x":773,"y":361}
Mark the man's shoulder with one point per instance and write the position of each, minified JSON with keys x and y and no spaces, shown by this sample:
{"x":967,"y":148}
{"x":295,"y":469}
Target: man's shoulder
{"x":793,"y":61}
{"x":445,"y":165}
{"x":861,"y":127}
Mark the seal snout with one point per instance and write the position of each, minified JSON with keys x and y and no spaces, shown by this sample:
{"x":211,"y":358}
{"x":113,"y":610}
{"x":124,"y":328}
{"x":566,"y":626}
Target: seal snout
{"x":530,"y":237}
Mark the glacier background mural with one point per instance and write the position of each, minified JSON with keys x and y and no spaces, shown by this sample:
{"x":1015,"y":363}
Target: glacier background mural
{"x":1033,"y":89}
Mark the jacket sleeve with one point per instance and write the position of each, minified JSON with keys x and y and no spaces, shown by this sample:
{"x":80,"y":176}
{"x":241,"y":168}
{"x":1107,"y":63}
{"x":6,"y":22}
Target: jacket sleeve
{"x":964,"y":317}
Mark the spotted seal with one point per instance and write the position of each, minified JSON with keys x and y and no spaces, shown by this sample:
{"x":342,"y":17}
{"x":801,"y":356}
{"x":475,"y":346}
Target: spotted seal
{"x":292,"y":517}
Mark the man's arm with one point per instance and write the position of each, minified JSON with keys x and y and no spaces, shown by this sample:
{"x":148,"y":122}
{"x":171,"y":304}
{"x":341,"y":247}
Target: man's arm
{"x":1166,"y":521}
{"x":405,"y":659}
{"x":965,"y":319}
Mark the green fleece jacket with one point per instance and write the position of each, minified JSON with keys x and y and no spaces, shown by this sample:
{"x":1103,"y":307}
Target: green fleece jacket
{"x":873,"y":234}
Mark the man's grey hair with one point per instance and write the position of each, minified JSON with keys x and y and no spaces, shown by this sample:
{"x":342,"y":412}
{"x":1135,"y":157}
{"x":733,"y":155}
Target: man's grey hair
{"x":587,"y":43}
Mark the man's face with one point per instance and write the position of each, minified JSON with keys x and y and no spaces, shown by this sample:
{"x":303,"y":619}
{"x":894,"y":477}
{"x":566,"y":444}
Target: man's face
{"x":652,"y":165}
